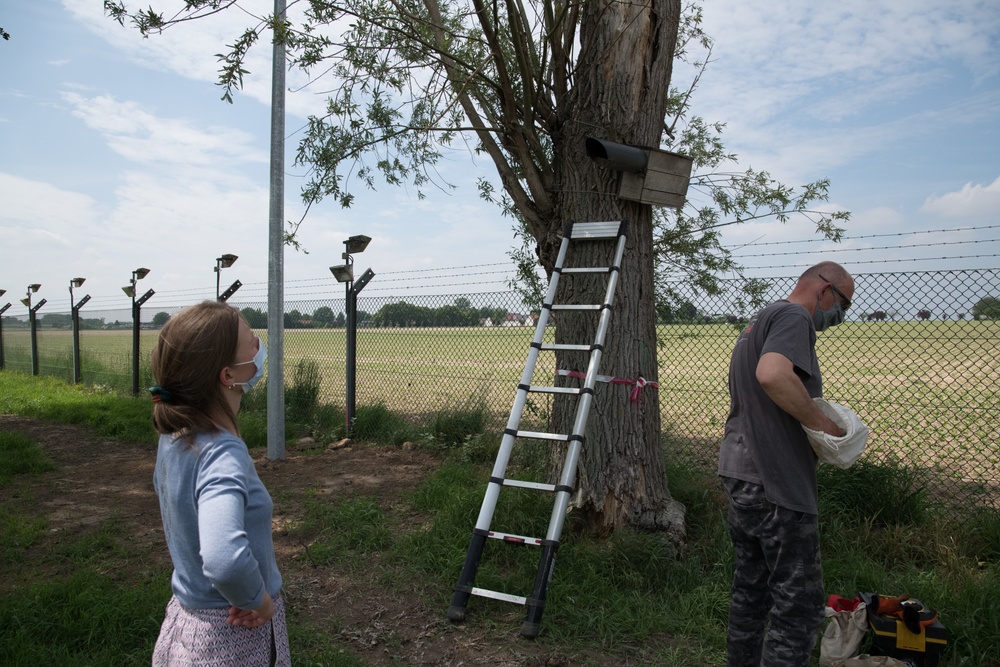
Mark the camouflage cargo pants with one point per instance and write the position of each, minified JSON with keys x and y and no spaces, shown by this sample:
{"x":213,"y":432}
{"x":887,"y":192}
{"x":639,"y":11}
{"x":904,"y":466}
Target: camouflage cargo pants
{"x":776,"y":606}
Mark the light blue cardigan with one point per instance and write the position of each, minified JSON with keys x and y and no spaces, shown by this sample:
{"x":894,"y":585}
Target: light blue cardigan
{"x":217,"y":522}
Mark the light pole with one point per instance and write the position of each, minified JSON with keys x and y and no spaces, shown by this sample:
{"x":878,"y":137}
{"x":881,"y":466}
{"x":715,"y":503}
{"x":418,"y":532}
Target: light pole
{"x":129,"y":290}
{"x":32,"y":288}
{"x":344,"y":273}
{"x":75,"y":307}
{"x":3,"y":309}
{"x":225,"y":262}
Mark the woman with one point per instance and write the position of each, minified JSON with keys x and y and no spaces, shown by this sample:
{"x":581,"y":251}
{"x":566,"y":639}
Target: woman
{"x":226,"y":608}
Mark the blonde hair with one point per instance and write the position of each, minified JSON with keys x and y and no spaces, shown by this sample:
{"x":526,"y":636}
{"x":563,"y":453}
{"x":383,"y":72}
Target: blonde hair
{"x":192,"y":349}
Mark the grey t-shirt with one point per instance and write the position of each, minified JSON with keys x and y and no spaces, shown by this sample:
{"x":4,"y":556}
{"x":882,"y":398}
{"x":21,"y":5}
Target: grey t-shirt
{"x":763,"y":443}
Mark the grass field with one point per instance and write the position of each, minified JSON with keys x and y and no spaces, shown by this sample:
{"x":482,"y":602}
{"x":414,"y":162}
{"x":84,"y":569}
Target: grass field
{"x":930,"y":391}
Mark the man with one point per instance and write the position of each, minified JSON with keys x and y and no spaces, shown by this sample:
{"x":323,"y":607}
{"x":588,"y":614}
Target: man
{"x":769,"y":471}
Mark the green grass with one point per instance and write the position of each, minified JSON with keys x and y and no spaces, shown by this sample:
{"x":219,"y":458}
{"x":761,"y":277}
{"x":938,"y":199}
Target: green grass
{"x":346,"y":532}
{"x":17,"y":533}
{"x":109,"y":414}
{"x":87,"y":618}
{"x":630,"y":596}
{"x":19,"y":455}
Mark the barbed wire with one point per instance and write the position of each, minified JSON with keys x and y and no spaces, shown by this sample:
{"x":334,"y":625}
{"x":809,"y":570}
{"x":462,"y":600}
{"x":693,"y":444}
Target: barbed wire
{"x":873,"y":248}
{"x":886,"y":235}
{"x":878,"y":261}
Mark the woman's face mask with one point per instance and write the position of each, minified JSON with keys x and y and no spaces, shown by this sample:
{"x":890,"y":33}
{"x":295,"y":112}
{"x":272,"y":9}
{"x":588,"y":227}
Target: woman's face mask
{"x":258,"y":362}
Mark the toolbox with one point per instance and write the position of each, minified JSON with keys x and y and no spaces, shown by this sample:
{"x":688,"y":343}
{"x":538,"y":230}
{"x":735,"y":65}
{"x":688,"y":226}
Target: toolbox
{"x":892,"y":637}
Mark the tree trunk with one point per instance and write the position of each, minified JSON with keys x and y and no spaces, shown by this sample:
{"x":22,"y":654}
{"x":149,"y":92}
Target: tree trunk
{"x":620,"y":94}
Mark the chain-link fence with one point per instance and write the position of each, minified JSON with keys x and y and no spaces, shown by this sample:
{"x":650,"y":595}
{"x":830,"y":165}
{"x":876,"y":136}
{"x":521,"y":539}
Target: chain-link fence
{"x":916,"y":358}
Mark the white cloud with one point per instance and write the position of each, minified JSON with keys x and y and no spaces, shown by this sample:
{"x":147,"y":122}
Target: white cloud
{"x":972,"y":200}
{"x":190,"y":49}
{"x":878,"y":219}
{"x":827,"y":83}
{"x":142,"y":137}
{"x":35,"y":205}
{"x":42,"y":226}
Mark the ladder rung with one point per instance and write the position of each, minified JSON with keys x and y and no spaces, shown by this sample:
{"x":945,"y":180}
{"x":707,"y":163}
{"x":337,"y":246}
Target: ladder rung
{"x":586,"y":269}
{"x":496,"y":595}
{"x":595,"y":230}
{"x":537,"y":486}
{"x":510,"y":538}
{"x":543,"y":436}
{"x":565,"y":346}
{"x":541,"y":389}
{"x":576,"y":307}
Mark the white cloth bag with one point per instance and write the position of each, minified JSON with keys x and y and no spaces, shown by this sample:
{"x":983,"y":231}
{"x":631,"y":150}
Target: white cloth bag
{"x":844,"y":450}
{"x":843,"y":635}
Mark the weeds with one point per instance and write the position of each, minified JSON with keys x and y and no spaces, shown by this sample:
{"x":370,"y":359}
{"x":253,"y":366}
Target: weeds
{"x":887,"y":494}
{"x":302,"y":396}
{"x":378,"y":424}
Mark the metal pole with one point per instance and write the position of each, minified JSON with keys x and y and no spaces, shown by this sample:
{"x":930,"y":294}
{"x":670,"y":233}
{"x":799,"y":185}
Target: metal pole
{"x":276,"y":271}
{"x":76,"y":344}
{"x":135,"y":347}
{"x":352,"y":343}
{"x":218,"y":276}
{"x":1,"y":339}
{"x":34,"y":341}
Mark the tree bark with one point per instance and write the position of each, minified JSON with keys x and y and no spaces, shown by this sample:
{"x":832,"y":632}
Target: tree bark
{"x":620,"y":94}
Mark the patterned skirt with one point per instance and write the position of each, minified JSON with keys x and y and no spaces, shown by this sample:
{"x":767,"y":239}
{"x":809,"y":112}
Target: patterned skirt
{"x":202,"y":638}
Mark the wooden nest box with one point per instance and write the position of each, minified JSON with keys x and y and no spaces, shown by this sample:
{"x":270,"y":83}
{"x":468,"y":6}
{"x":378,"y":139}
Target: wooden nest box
{"x":648,"y":175}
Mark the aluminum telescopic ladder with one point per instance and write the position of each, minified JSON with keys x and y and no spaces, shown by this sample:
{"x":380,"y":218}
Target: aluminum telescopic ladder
{"x":535,"y":603}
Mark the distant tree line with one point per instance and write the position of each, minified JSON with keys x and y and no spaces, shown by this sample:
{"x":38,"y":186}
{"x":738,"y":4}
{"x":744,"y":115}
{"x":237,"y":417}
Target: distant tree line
{"x":399,"y":314}
{"x":55,"y":321}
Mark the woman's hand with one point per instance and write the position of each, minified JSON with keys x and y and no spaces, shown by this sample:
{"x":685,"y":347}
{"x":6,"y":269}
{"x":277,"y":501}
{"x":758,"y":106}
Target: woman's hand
{"x":252,"y":618}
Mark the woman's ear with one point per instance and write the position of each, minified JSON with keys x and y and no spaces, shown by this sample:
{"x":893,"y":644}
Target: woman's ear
{"x":226,"y":376}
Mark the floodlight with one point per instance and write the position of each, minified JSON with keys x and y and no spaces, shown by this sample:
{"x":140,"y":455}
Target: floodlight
{"x":140,"y":273}
{"x":77,"y":282}
{"x":26,"y":302}
{"x":357,"y":243}
{"x":343,"y":273}
{"x":2,"y":292}
{"x":129,"y":290}
{"x":34,"y":287}
{"x":223,"y":262}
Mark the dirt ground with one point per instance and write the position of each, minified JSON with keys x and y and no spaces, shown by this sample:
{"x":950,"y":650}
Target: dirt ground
{"x":96,"y":479}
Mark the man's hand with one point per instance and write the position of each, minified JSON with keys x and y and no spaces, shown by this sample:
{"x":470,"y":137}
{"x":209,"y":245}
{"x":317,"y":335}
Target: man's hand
{"x":252,"y":618}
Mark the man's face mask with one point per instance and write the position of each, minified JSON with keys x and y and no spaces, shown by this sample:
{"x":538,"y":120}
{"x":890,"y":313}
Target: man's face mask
{"x":258,"y":362}
{"x":824,"y":319}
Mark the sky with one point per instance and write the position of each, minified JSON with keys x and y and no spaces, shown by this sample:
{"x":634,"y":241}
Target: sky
{"x":118,"y":153}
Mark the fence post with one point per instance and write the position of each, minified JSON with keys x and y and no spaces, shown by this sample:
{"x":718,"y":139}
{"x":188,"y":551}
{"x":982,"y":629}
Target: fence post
{"x":3,"y":310}
{"x":135,"y":348}
{"x":33,"y":324}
